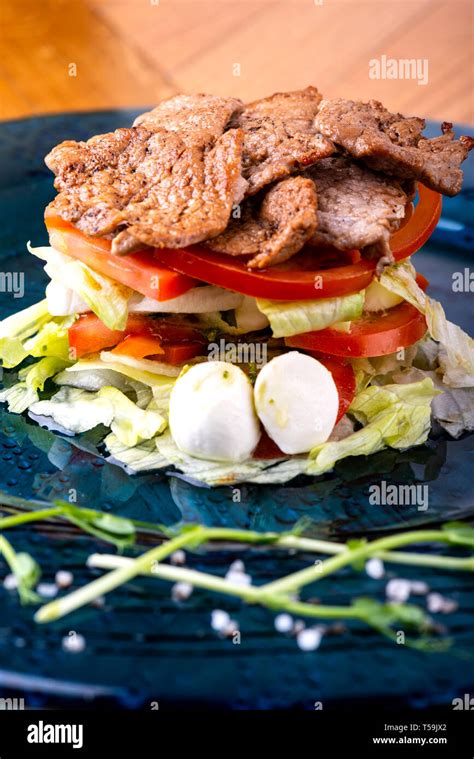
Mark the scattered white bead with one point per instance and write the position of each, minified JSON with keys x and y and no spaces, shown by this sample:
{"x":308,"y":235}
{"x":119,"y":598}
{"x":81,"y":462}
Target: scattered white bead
{"x":181,"y":591}
{"x":237,"y":566}
{"x":178,"y":558}
{"x":309,"y":639}
{"x":231,"y":628}
{"x":238,"y":577}
{"x":47,"y":589}
{"x":375,"y":568}
{"x":99,"y":602}
{"x":64,"y":578}
{"x":219,"y":620}
{"x":434,"y":602}
{"x":418,"y":587}
{"x":398,"y":590}
{"x":298,"y":627}
{"x":438,"y":604}
{"x":283,"y":623}
{"x":10,"y":582}
{"x":74,"y":643}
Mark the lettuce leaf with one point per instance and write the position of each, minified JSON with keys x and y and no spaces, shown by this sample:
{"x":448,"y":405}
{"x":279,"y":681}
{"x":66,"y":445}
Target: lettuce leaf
{"x":25,"y":323}
{"x":295,"y":317}
{"x":143,"y":457}
{"x":76,"y":410}
{"x":89,"y":365}
{"x":456,"y":348}
{"x":33,"y":332}
{"x":15,"y":329}
{"x":394,"y":416}
{"x":80,"y":410}
{"x":107,"y":298}
{"x":453,"y":408}
{"x":35,"y":376}
{"x":51,"y":340}
{"x":132,"y":424}
{"x":19,"y":397}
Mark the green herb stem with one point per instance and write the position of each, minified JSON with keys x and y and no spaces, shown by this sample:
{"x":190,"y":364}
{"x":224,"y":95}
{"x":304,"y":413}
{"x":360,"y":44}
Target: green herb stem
{"x":101,"y":586}
{"x":294,"y":582}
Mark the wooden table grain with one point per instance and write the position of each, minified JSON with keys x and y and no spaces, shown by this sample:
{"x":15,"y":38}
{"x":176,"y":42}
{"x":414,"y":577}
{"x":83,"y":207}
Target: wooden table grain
{"x":65,"y":55}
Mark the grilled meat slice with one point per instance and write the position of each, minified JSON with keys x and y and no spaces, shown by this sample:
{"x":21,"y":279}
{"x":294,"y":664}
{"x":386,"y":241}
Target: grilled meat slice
{"x":280,"y":137}
{"x":153,"y":184}
{"x":357,"y":208}
{"x":274,"y":225}
{"x":393,"y":144}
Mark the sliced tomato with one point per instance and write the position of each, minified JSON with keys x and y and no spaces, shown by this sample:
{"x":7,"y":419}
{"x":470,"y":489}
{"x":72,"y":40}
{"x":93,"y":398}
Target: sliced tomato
{"x":371,"y":335}
{"x":89,"y":335}
{"x":139,"y":271}
{"x":267,"y":448}
{"x":343,"y":375}
{"x":313,"y":273}
{"x":149,"y":346}
{"x":413,"y":235}
{"x":303,"y":277}
{"x":142,"y":336}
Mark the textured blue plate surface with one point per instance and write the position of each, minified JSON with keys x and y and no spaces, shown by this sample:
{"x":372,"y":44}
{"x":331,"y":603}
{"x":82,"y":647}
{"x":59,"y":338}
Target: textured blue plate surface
{"x":143,"y":647}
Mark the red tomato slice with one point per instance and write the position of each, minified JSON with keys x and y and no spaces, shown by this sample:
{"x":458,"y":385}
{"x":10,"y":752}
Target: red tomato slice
{"x":344,"y":377}
{"x":89,"y":335}
{"x":169,"y":342}
{"x":413,"y":235}
{"x":312,"y":273}
{"x":307,"y":276}
{"x":147,"y":346}
{"x":139,"y":271}
{"x":267,"y":448}
{"x":371,"y":335}
{"x":300,"y":278}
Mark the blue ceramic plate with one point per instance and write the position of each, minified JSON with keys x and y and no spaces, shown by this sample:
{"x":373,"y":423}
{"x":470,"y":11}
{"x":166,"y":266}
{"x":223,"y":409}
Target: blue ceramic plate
{"x":142,"y":647}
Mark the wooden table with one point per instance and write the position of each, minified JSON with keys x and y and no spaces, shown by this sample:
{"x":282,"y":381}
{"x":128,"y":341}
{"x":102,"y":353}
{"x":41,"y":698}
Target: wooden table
{"x":62,"y":55}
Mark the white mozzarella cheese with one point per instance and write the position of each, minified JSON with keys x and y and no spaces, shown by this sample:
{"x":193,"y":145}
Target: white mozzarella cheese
{"x":212,"y":414}
{"x":297,"y":401}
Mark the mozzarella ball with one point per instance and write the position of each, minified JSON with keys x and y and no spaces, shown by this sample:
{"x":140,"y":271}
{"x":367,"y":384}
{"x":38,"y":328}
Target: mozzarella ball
{"x":297,"y":401}
{"x":212,"y":414}
{"x":378,"y":298}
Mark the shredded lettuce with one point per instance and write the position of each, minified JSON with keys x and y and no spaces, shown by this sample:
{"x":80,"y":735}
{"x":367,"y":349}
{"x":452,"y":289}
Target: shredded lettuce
{"x":80,"y":410}
{"x":394,"y":416}
{"x":33,"y":332}
{"x":25,"y":323}
{"x":456,"y":348}
{"x":143,"y":457}
{"x":453,"y":408}
{"x":35,"y":376}
{"x":19,"y":397}
{"x":107,"y":298}
{"x":295,"y":317}
{"x":132,"y":424}
{"x":136,"y":372}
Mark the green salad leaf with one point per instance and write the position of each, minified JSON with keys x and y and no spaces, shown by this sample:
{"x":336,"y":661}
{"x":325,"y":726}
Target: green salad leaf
{"x":394,"y":416}
{"x":456,"y":348}
{"x":36,"y":375}
{"x":107,"y":298}
{"x":297,"y":316}
{"x":79,"y":410}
